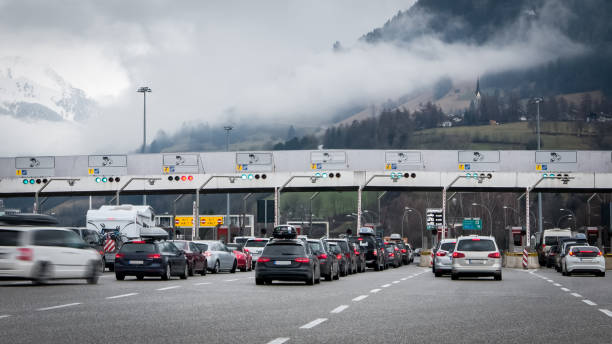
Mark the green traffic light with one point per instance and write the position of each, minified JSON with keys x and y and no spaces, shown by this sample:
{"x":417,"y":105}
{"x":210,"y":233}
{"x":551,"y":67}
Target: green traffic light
{"x":104,"y":180}
{"x":25,"y":181}
{"x":98,"y":179}
{"x":32,"y":181}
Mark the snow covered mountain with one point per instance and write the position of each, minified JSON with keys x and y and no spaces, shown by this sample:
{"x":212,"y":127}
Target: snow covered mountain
{"x":29,"y":91}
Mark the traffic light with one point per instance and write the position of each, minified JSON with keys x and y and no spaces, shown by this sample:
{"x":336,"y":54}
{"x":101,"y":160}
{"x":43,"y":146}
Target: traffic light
{"x":180,"y":178}
{"x":35,"y":181}
{"x":395,"y":176}
{"x":251,"y":176}
{"x":108,"y":179}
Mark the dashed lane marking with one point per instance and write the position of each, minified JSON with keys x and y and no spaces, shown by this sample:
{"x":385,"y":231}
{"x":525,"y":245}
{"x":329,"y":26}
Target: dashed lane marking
{"x":60,"y":306}
{"x":550,"y":281}
{"x":360,"y":297}
{"x":589,"y":302}
{"x":395,"y":282}
{"x":231,"y":280}
{"x":403,"y":279}
{"x":202,"y":283}
{"x":576,"y":295}
{"x":385,"y":285}
{"x":565,"y":289}
{"x":120,"y":296}
{"x":375,"y":290}
{"x":606,"y":312}
{"x":314,"y":323}
{"x":557,"y":285}
{"x":279,"y":340}
{"x":339,"y":309}
{"x":4,"y":316}
{"x":168,"y":288}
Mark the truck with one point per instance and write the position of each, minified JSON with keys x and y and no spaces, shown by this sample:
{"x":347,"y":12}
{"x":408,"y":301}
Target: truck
{"x":122,"y":223}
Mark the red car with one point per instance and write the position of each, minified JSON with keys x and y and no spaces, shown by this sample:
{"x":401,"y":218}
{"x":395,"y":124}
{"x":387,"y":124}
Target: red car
{"x":243,"y":257}
{"x":196,"y":260}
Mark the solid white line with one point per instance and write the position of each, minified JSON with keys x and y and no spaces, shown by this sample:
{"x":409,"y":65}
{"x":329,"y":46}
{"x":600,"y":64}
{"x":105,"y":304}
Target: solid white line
{"x":395,"y":282}
{"x":339,"y":309}
{"x":60,"y":306}
{"x":314,"y":323}
{"x":606,"y":312}
{"x":557,"y":285}
{"x":120,"y":296}
{"x":168,"y":288}
{"x":279,"y":340}
{"x":375,"y":290}
{"x":360,"y":297}
{"x":203,"y":283}
{"x":576,"y":295}
{"x":386,"y":285}
{"x":589,"y":302}
{"x":231,"y":280}
{"x":4,"y":316}
{"x":565,"y":289}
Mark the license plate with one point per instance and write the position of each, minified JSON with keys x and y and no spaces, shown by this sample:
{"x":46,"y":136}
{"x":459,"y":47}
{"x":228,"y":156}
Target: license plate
{"x":282,"y":262}
{"x":582,"y":260}
{"x":476,"y":261}
{"x":365,"y":244}
{"x":135,"y":262}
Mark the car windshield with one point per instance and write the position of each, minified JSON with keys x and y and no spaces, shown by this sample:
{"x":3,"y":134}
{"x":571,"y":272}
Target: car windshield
{"x":9,"y":238}
{"x":553,"y":240}
{"x":476,"y":245}
{"x":284,"y":250}
{"x":203,"y":247}
{"x":447,"y":246}
{"x":234,"y":247}
{"x":241,"y":241}
{"x":256,"y":243}
{"x":180,"y":244}
{"x":137,"y":248}
{"x":367,"y":242}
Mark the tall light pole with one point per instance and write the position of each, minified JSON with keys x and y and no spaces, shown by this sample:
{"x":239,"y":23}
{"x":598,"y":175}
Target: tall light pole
{"x":227,"y":195}
{"x":420,"y":221}
{"x":514,"y":210}
{"x":538,"y":100}
{"x":490,"y":217}
{"x":144,"y":90}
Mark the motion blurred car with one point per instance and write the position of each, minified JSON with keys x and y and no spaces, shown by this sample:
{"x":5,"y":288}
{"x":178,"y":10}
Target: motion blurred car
{"x":150,"y":258}
{"x":476,"y":256}
{"x":442,"y":260}
{"x":40,"y":254}
{"x":287,"y":260}
{"x":360,"y":253}
{"x":348,"y":253}
{"x":405,"y":252}
{"x":393,"y":254}
{"x":243,"y":257}
{"x":93,"y":239}
{"x":255,"y":247}
{"x":196,"y":259}
{"x":582,"y":258}
{"x":328,"y":262}
{"x":218,"y":256}
{"x":554,"y":251}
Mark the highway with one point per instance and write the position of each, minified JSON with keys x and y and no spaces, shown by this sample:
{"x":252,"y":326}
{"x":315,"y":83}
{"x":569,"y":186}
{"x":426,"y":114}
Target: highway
{"x":403,"y":305}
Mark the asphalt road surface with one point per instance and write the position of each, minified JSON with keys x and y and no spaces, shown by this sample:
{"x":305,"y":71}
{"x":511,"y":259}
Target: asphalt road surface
{"x":403,"y":305}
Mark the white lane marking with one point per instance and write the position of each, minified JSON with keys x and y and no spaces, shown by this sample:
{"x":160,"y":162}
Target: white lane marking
{"x":550,"y":281}
{"x":231,"y":280}
{"x":314,"y":323}
{"x":576,"y":295}
{"x":4,"y":316}
{"x":168,"y":288}
{"x":339,"y":309}
{"x":565,"y":289}
{"x":60,"y":306}
{"x":395,"y":282}
{"x":403,"y":279}
{"x":557,"y":285}
{"x":360,"y":297}
{"x":409,"y":276}
{"x":279,"y":340}
{"x":375,"y":290}
{"x":386,"y":285}
{"x":120,"y":296}
{"x":589,"y":302}
{"x":203,"y":283}
{"x":606,"y":312}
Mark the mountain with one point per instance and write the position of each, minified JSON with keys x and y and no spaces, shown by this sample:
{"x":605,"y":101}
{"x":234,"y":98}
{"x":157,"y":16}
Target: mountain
{"x":32,"y":92}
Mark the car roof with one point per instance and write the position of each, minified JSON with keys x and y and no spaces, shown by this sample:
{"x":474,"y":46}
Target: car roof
{"x":28,"y":220}
{"x":444,"y":241}
{"x":287,"y":241}
{"x":465,"y":237}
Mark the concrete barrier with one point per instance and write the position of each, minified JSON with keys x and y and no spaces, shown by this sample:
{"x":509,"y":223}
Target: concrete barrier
{"x":608,"y":259}
{"x":425,"y":259}
{"x":515,"y":260}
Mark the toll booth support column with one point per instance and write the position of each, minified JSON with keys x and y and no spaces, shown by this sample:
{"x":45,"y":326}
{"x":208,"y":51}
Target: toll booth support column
{"x":443,"y":211}
{"x":359,"y":191}
{"x":276,"y":207}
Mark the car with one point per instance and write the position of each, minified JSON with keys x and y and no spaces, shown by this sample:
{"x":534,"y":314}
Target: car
{"x":583,"y":258}
{"x":196,"y":259}
{"x":394,"y":254}
{"x":328,"y":262}
{"x":476,"y":255}
{"x":369,"y":245}
{"x":360,"y":253}
{"x":336,"y":250}
{"x":565,"y":244}
{"x":218,"y":256}
{"x":441,"y":257}
{"x":381,"y":244}
{"x":287,"y":260}
{"x":410,"y":253}
{"x":554,"y":251}
{"x":348,"y":253}
{"x":93,"y":239}
{"x":417,"y":252}
{"x":243,"y":257}
{"x":548,"y":238}
{"x":405,"y":252}
{"x":241,"y":240}
{"x":142,"y":258}
{"x":255,"y":246}
{"x":40,"y":254}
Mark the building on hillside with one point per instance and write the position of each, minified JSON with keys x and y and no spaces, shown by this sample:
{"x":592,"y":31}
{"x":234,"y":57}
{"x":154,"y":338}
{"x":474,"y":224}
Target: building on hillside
{"x":446,"y":124}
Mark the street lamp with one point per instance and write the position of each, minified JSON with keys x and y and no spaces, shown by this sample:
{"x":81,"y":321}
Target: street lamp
{"x":569,"y":217}
{"x":538,"y":100}
{"x":144,"y":90}
{"x":227,"y":195}
{"x":490,"y":217}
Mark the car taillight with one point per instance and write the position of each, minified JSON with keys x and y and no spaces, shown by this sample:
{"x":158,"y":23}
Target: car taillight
{"x":119,"y":255}
{"x":25,"y":254}
{"x":246,"y":250}
{"x":396,"y":249}
{"x":475,"y":239}
{"x":263,"y":260}
{"x":543,"y":246}
{"x":207,"y":253}
{"x":571,"y":253}
{"x":154,"y":256}
{"x":375,"y":253}
{"x":347,"y":254}
{"x":339,"y":256}
{"x":599,"y":254}
{"x":356,"y":252}
{"x":391,"y":254}
{"x":440,"y":253}
{"x":403,"y":250}
{"x":322,"y":256}
{"x":458,"y":255}
{"x":494,"y":255}
{"x":302,"y":260}
{"x":138,"y":242}
{"x":101,"y":253}
{"x":360,"y":239}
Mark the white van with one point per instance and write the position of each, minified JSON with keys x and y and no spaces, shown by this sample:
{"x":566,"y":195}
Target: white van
{"x":549,"y":238}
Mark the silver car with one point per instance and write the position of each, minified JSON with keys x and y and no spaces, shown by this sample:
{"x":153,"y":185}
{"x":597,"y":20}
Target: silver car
{"x":256,"y":247}
{"x":476,"y":255}
{"x":218,"y":256}
{"x":442,"y":261}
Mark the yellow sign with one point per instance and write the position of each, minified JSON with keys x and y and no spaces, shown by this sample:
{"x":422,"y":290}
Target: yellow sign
{"x":18,"y":172}
{"x":166,"y":169}
{"x":313,"y":166}
{"x":461,"y":167}
{"x":539,"y":167}
{"x":90,"y":171}
{"x":387,"y":166}
{"x":239,"y":167}
{"x":205,"y":221}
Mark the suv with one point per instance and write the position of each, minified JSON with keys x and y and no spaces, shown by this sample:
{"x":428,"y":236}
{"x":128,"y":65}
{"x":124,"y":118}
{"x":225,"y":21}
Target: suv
{"x":150,"y":258}
{"x":373,"y":254}
{"x":441,"y":257}
{"x":477,"y":256}
{"x":328,"y":262}
{"x":359,"y":252}
{"x":287,"y":260}
{"x":43,"y":253}
{"x":348,"y":253}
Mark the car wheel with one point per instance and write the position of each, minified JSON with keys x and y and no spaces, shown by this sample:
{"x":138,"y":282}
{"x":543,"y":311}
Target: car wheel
{"x":328,"y":277}
{"x":111,"y":267}
{"x":43,"y":274}
{"x":94,"y":273}
{"x":454,"y":276}
{"x":377,"y":267}
{"x":119,"y":276}
{"x":318,"y":279}
{"x":244,"y":269}
{"x":166,"y":274}
{"x":602,"y":274}
{"x":438,"y":274}
{"x":103,"y":267}
{"x":203,"y":272}
{"x":215,"y":269}
{"x":497,"y":276}
{"x":233,"y":270}
{"x":185,"y":272}
{"x":259,"y":281}
{"x":337,"y":275}
{"x":191,"y":270}
{"x":311,"y":280}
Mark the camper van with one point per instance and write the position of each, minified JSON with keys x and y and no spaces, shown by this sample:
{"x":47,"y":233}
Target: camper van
{"x":121,"y":223}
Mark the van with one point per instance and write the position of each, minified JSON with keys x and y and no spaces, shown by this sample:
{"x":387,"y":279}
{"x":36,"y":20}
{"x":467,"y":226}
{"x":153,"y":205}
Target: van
{"x":548,"y":238}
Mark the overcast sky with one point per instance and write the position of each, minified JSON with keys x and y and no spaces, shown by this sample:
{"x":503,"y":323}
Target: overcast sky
{"x":220,"y":62}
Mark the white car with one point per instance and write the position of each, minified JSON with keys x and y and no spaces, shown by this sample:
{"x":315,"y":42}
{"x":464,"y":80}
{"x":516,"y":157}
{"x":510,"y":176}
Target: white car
{"x":256,"y":247}
{"x":583,"y":259}
{"x":476,"y":255}
{"x":441,"y":257}
{"x":40,"y":254}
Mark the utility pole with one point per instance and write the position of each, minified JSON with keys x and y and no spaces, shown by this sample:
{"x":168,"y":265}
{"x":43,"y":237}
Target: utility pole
{"x":144,"y":90}
{"x":227,"y":196}
{"x":538,"y":101}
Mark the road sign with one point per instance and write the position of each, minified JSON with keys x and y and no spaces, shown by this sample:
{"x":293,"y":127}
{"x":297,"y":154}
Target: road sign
{"x":434,"y":218}
{"x":472,"y":223}
{"x":205,"y":221}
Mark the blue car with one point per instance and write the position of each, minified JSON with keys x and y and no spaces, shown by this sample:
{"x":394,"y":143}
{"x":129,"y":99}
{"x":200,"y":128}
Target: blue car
{"x":150,"y":258}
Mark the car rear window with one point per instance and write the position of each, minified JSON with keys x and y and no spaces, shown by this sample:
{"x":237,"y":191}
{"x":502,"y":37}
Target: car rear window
{"x":137,"y":248}
{"x":180,"y":244}
{"x":553,"y":240}
{"x":316,"y":247}
{"x":9,"y":238}
{"x":284,"y":250}
{"x":447,"y":246}
{"x":476,"y":245}
{"x":256,"y":243}
{"x":203,"y":247}
{"x":585,"y":251}
{"x":367,"y":242}
{"x":343,"y":245}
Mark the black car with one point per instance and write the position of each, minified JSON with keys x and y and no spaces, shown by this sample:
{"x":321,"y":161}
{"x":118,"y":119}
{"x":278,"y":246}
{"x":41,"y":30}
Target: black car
{"x":359,"y":253}
{"x":393,"y":254}
{"x":403,"y":248}
{"x":552,"y":254}
{"x":287,"y":260}
{"x":328,"y":262}
{"x":150,"y":258}
{"x":373,"y":257}
{"x":348,"y":253}
{"x":382,"y":252}
{"x":343,"y":263}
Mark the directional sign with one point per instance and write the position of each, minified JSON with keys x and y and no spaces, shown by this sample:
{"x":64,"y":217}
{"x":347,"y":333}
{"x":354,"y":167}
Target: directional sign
{"x":435,"y":218}
{"x":205,"y":221}
{"x":472,"y":223}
